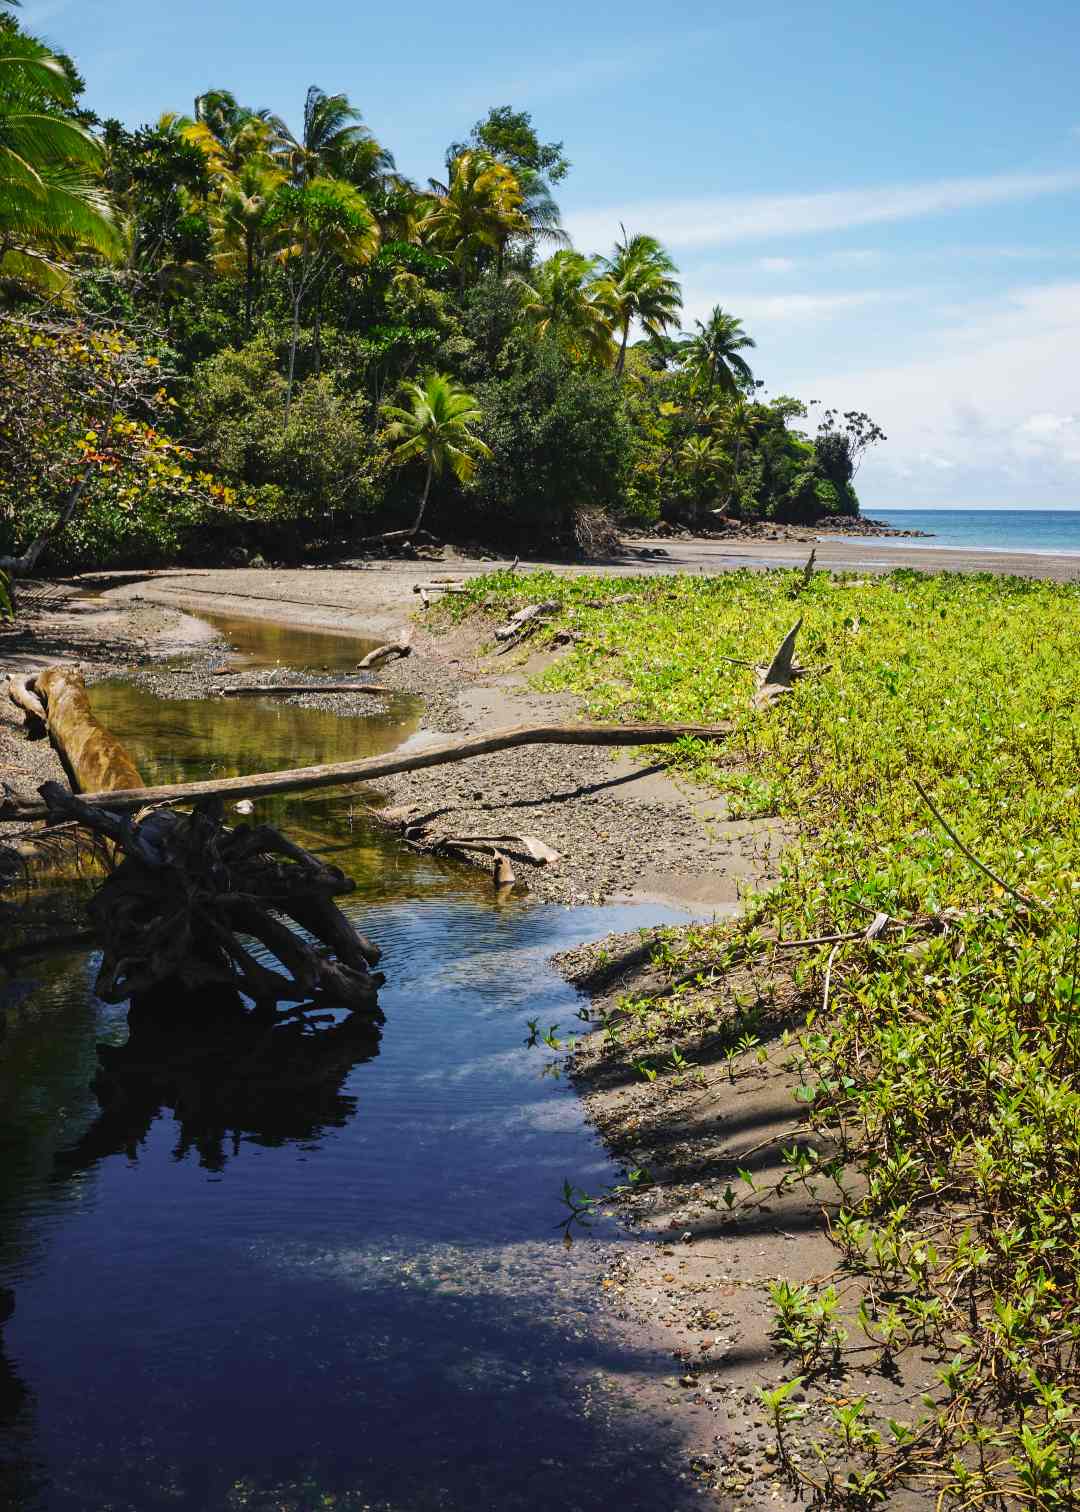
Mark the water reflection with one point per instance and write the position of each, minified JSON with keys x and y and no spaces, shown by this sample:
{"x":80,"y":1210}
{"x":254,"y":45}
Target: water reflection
{"x":223,"y":1082}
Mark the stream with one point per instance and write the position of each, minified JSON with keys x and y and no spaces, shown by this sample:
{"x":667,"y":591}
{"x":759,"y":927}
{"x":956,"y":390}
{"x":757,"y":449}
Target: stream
{"x":337,"y":1280}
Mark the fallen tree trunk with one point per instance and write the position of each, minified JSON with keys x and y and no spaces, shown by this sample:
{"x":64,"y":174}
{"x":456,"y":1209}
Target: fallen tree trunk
{"x":341,"y":774}
{"x":259,"y":690}
{"x":93,"y":758}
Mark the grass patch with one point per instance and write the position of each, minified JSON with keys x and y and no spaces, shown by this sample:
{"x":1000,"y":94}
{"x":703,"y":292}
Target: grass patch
{"x":946,"y":1065}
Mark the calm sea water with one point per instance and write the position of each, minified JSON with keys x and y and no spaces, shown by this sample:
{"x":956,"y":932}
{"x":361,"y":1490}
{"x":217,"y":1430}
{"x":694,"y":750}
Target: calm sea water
{"x":1054,"y":532}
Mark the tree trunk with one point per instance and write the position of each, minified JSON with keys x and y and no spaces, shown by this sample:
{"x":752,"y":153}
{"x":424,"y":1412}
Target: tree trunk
{"x":423,"y":502}
{"x":94,"y":759}
{"x":292,"y":354}
{"x":249,"y":285}
{"x":621,"y":363}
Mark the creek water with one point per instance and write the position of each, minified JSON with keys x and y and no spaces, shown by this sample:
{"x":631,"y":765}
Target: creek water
{"x":334,"y":1281}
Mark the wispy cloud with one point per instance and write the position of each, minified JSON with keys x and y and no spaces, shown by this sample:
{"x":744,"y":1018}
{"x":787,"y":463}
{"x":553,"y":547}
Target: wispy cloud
{"x":728,"y":219}
{"x":762,"y":308}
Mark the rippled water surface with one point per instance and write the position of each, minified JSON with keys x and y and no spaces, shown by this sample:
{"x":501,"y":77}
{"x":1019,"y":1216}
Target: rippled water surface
{"x":327,"y":1274}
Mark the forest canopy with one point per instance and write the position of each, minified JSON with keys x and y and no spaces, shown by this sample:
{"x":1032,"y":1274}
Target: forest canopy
{"x":262,"y":338}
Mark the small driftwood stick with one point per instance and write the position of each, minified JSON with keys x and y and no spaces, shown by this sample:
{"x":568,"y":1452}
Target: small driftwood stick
{"x":282,"y":690}
{"x":517,"y":622}
{"x":341,"y":774}
{"x":384,"y":654}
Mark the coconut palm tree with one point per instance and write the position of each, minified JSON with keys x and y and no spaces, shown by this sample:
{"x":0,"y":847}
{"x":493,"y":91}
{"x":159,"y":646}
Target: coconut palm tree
{"x":333,"y":143}
{"x":638,"y":283}
{"x":434,"y":428}
{"x":317,"y":224}
{"x":238,"y":221}
{"x":52,"y":201}
{"x":479,"y":210}
{"x":713,"y":354}
{"x":230,"y":135}
{"x":559,"y":304}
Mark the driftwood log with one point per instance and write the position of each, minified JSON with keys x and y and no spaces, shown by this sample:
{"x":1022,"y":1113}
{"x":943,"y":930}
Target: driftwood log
{"x":281,"y":690}
{"x":344,"y":773}
{"x":385,"y":653}
{"x":173,"y":916}
{"x":93,"y":758}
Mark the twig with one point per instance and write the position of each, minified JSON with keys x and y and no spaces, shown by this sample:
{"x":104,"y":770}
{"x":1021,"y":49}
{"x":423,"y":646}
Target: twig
{"x":1014,"y":892}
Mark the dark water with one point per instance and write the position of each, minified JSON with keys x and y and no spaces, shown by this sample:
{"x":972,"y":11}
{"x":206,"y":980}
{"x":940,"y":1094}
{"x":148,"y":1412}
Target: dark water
{"x":328,"y":1274}
{"x":1054,"y":532}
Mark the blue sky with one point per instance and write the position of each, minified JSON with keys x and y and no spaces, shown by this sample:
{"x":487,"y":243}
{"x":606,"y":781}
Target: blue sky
{"x":886,"y":195}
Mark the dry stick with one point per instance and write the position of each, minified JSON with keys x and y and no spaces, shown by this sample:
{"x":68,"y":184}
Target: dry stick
{"x":23,"y":697}
{"x":340,"y":774}
{"x":258,"y":690}
{"x":828,"y":978}
{"x":1024,"y":898}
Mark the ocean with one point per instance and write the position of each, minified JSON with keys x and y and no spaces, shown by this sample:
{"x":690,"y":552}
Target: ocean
{"x":1051,"y":532}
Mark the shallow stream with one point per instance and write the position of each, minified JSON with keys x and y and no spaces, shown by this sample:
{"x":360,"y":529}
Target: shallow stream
{"x":339,"y":1283}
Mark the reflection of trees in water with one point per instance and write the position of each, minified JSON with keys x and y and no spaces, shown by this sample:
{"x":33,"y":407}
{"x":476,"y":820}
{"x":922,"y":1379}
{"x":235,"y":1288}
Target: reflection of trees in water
{"x":231,"y":1078}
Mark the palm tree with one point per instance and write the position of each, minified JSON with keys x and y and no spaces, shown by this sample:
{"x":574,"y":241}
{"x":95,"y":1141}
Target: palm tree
{"x":713,"y":353}
{"x":638,"y":283}
{"x":558,"y":303}
{"x":52,"y":201}
{"x":238,"y":226}
{"x":434,"y":429}
{"x":229,"y":134}
{"x":317,"y":224}
{"x":478,"y":211}
{"x":332,"y":144}
{"x":739,"y":426}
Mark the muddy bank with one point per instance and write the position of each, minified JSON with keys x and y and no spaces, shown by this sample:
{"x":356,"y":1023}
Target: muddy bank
{"x":694,"y":1087}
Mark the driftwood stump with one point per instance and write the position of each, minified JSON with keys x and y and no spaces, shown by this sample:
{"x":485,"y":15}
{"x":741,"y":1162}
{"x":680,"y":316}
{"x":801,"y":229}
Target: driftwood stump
{"x":174,"y":915}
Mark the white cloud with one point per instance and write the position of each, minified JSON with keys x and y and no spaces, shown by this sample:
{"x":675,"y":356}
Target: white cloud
{"x":727,"y":219}
{"x":990,"y":412}
{"x":776,"y":264}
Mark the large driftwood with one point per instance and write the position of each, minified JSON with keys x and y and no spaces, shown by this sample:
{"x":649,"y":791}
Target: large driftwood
{"x":170,"y":917}
{"x":343,"y":773}
{"x":93,"y":758}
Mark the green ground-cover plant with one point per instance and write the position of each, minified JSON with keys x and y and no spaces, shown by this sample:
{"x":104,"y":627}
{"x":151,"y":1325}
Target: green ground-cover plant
{"x":948,"y":1060}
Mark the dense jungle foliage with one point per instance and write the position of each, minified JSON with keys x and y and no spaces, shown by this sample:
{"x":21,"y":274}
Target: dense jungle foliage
{"x":243,"y":339}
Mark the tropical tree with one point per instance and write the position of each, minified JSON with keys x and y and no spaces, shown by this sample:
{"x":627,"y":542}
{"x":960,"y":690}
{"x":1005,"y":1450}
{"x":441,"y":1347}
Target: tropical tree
{"x":333,"y":143}
{"x":477,"y":212}
{"x":434,"y":428}
{"x":714,"y":354}
{"x":559,"y":304}
{"x":238,"y":224}
{"x":317,"y":224}
{"x":230,"y":134}
{"x":739,"y":428}
{"x":52,"y":201}
{"x":638,"y":283}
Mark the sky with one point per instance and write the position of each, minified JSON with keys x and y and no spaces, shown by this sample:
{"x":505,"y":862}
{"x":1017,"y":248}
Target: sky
{"x":886,"y":195}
